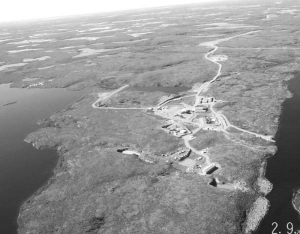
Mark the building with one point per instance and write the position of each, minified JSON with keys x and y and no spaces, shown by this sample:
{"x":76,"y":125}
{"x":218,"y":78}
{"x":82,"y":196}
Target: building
{"x":150,"y":110}
{"x":207,"y":99}
{"x":175,"y":130}
{"x":210,"y":120}
{"x":186,"y":111}
{"x":210,"y":169}
{"x":201,"y":109}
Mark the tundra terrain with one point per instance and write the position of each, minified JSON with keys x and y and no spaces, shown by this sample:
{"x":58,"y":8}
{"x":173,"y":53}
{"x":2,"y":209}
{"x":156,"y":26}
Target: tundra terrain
{"x":239,"y":53}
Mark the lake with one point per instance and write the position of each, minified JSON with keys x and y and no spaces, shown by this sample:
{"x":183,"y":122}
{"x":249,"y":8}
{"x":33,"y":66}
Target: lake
{"x":283,"y":168}
{"x":23,"y":168}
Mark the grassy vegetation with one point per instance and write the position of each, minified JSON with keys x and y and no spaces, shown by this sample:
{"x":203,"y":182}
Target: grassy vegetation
{"x":130,"y":98}
{"x":238,"y":162}
{"x":130,"y":128}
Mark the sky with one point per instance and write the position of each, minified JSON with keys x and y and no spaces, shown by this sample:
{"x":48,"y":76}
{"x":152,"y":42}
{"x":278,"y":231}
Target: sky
{"x":14,"y":10}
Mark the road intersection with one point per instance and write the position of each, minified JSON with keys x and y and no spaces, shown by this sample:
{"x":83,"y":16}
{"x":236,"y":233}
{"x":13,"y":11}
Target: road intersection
{"x":222,"y":122}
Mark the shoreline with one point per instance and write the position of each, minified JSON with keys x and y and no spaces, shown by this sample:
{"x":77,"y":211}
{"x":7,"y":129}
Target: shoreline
{"x":250,"y":216}
{"x":293,"y":200}
{"x":260,"y":207}
{"x":256,"y":214}
{"x":51,"y":179}
{"x":263,"y":212}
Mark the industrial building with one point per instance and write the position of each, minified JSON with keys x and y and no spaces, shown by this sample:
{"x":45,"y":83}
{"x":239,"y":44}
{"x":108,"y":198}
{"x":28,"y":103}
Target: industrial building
{"x":186,"y":111}
{"x":201,"y":109}
{"x":206,"y":100}
{"x":175,"y":130}
{"x":210,"y":120}
{"x":210,"y":169}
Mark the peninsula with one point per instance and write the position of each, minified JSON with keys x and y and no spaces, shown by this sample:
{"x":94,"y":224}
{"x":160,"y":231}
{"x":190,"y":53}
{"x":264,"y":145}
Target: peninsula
{"x":181,"y":110}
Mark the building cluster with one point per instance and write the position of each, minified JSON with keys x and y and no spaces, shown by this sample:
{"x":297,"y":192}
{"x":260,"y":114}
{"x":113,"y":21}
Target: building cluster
{"x":210,"y":120}
{"x":36,"y":84}
{"x":181,"y":155}
{"x":184,"y":112}
{"x":176,"y":130}
{"x":206,"y":100}
{"x":201,"y":109}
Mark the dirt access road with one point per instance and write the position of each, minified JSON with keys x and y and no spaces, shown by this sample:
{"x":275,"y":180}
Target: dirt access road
{"x":225,"y":124}
{"x":104,"y":96}
{"x":221,"y":118}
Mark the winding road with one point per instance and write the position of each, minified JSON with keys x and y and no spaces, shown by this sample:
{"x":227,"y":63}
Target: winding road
{"x":224,"y":122}
{"x":221,"y":118}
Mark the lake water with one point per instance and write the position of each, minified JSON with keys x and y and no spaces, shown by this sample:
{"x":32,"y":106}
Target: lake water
{"x":24,"y":169}
{"x":283,"y":168}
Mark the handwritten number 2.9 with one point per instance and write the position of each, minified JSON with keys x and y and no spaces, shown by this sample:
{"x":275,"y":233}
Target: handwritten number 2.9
{"x":289,"y":227}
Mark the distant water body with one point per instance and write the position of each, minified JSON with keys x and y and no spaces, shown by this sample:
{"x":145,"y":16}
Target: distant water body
{"x":283,"y":168}
{"x":23,"y":168}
